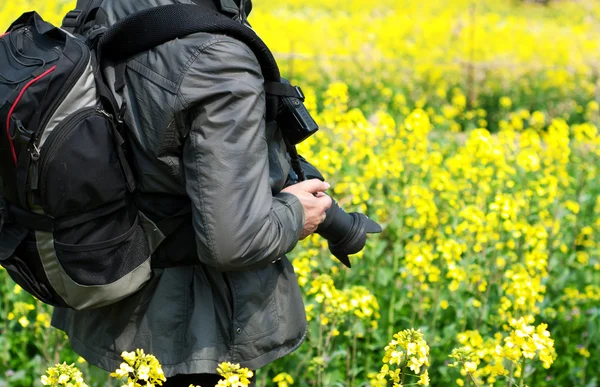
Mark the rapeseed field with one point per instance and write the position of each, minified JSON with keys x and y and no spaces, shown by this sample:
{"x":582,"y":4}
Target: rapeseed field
{"x":469,"y":130}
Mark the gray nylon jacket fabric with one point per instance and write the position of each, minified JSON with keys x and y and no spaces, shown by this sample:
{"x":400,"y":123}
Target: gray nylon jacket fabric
{"x":196,"y":109}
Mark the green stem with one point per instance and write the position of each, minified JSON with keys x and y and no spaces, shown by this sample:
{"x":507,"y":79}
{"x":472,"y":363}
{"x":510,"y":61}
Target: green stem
{"x":472,"y":379}
{"x":348,"y":366}
{"x":420,"y":310}
{"x":354,"y":349}
{"x":392,"y":310}
{"x":368,"y":346}
{"x":329,"y":337}
{"x":391,"y":316}
{"x":319,"y":351}
{"x":522,"y":378}
{"x":486,"y":299}
{"x":510,"y":376}
{"x":436,"y":310}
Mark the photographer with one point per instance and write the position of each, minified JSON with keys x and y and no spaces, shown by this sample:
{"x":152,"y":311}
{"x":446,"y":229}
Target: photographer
{"x":222,"y":288}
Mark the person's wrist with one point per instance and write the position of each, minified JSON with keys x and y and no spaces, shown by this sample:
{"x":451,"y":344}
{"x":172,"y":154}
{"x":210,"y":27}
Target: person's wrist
{"x":295,"y":205}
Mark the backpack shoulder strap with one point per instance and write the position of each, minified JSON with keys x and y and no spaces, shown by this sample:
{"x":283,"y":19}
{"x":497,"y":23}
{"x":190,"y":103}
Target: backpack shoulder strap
{"x":149,"y":28}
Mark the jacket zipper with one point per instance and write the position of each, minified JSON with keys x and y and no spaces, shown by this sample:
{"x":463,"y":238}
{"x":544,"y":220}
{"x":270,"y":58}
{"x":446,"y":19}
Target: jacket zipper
{"x":42,"y":158}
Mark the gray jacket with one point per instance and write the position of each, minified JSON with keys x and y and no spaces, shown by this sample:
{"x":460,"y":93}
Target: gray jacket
{"x":196,"y":108}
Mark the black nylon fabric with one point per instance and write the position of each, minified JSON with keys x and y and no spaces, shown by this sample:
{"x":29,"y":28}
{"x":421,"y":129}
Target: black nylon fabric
{"x":154,"y":26}
{"x":89,"y":265}
{"x":37,"y":62}
{"x":81,"y":170}
{"x":90,"y":225}
{"x":20,"y":258}
{"x":173,"y":216}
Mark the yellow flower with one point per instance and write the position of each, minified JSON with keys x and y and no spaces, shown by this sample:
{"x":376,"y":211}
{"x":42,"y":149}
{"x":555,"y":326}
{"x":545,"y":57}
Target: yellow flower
{"x":408,"y":348}
{"x":139,"y":366}
{"x":573,"y":206}
{"x":470,"y":366}
{"x":234,"y":375}
{"x":283,"y":379}
{"x":63,"y":375}
{"x":505,"y":102}
{"x":24,"y":321}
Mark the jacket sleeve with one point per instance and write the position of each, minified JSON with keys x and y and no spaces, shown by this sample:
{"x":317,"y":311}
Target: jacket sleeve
{"x":239,"y":224}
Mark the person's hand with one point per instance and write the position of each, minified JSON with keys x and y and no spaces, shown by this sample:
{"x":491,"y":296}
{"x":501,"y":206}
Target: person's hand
{"x":315,"y":202}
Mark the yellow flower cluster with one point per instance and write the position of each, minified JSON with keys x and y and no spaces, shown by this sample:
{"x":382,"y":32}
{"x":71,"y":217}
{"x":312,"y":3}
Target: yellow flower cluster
{"x":144,"y":370}
{"x":479,"y":358}
{"x":526,"y":342}
{"x":339,"y":305}
{"x":20,"y":312}
{"x":140,"y":369}
{"x":483,"y":360}
{"x":476,"y":217}
{"x":63,"y":375}
{"x":283,"y":379}
{"x":233,"y":375}
{"x":408,"y":349}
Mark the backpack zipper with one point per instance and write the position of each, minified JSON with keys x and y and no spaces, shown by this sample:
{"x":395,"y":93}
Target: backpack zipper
{"x":40,"y":159}
{"x":70,"y":82}
{"x":14,"y":106}
{"x":33,"y":147}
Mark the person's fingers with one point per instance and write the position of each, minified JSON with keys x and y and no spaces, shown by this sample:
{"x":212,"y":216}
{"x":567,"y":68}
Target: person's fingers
{"x":314,"y":185}
{"x":325,"y":200}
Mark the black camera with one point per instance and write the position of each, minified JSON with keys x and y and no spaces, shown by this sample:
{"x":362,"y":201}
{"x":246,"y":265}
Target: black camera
{"x":346,"y":233}
{"x":292,"y":116}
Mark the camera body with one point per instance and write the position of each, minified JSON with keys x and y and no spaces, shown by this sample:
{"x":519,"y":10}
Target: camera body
{"x":293,"y":118}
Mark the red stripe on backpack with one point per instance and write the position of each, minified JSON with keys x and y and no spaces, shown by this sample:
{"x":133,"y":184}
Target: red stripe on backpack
{"x":14,"y":105}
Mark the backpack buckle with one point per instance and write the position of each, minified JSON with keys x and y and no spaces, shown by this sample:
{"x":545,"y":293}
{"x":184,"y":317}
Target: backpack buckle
{"x":95,"y":32}
{"x":71,"y":20}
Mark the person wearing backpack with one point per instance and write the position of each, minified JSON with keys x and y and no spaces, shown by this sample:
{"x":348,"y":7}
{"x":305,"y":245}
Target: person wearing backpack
{"x":223,"y":291}
{"x":155,"y":191}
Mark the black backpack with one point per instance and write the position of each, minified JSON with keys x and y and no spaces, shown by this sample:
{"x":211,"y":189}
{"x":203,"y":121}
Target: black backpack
{"x":70,"y":231}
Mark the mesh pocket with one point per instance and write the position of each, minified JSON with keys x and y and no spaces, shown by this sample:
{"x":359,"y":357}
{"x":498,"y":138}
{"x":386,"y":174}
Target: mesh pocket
{"x":109,"y":259}
{"x":87,"y":265}
{"x":19,"y":256}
